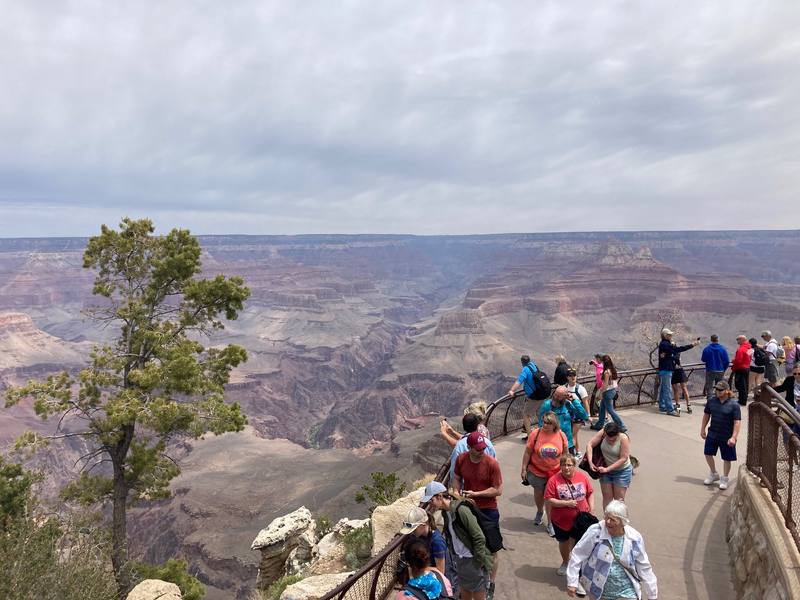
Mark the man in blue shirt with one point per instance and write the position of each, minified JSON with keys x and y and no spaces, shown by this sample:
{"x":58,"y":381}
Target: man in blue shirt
{"x":470,"y":423}
{"x":667,"y":351}
{"x":525,"y":381}
{"x":726,"y":420}
{"x":716,"y":360}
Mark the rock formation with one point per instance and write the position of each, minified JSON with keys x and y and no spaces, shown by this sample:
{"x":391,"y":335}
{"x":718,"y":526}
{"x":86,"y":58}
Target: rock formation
{"x":288,"y":536}
{"x":314,"y":587}
{"x":386,"y":521}
{"x":155,"y":589}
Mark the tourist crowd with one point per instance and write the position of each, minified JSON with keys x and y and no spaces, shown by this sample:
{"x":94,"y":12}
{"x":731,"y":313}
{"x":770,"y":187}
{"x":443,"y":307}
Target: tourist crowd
{"x":603,"y":559}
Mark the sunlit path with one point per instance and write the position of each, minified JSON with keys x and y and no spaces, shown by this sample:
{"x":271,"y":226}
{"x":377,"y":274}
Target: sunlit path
{"x":682,"y":521}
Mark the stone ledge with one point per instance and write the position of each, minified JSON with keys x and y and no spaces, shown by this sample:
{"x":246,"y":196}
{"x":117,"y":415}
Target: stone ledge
{"x":779,"y":539}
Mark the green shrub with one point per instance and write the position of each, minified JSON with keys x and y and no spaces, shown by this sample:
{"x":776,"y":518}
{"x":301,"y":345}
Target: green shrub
{"x":47,"y":558}
{"x":173,"y":571}
{"x":52,"y":561}
{"x":324,"y":525}
{"x":385,"y":489}
{"x":276,"y":589}
{"x":357,"y":546}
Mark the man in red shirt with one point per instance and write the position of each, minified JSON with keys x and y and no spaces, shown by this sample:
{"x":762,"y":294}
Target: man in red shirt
{"x":740,"y":368}
{"x":477,"y":476}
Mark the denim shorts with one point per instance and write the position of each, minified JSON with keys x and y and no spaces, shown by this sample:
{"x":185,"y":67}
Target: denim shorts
{"x":619,"y":478}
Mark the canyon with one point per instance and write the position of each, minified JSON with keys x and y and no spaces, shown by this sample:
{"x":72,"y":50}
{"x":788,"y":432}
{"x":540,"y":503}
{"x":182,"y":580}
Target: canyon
{"x":356,"y":343}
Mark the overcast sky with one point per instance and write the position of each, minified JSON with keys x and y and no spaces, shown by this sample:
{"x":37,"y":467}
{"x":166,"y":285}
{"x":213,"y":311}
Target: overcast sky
{"x":403,"y":117}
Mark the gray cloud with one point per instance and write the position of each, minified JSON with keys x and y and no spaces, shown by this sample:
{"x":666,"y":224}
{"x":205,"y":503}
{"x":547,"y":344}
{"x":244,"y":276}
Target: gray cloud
{"x":277,"y":117}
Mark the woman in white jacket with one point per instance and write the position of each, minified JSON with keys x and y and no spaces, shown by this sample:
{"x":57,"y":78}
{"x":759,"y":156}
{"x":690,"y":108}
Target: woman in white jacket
{"x":610,"y":561}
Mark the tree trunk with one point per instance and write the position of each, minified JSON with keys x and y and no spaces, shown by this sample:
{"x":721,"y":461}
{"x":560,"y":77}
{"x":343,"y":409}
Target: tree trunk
{"x":119,"y":525}
{"x":119,"y":533}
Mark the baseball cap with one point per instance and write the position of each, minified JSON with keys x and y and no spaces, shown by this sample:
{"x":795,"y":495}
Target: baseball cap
{"x":721,"y":385}
{"x":476,"y":440}
{"x":432,"y":489}
{"x":666,"y":331}
{"x":415,"y":517}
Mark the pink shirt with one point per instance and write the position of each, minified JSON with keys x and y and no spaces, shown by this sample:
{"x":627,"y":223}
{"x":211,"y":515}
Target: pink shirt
{"x":598,"y":373}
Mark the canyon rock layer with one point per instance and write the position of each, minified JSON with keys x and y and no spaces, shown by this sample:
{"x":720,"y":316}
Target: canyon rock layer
{"x":354,"y":341}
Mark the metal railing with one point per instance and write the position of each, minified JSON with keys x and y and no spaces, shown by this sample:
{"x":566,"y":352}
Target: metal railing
{"x":636,"y":387}
{"x":377,"y":578}
{"x":773,"y":450}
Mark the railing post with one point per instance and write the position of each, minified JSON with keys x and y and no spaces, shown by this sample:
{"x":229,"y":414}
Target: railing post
{"x":510,"y":403}
{"x":376,"y":578}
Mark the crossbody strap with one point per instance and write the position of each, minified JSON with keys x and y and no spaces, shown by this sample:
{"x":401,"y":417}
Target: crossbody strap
{"x":621,"y":564}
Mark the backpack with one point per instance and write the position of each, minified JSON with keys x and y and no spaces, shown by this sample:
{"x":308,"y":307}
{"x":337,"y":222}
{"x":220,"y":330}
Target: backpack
{"x":781,"y":353}
{"x":420,"y":595}
{"x":541,"y":384}
{"x":759,"y":356}
{"x":489,"y":527}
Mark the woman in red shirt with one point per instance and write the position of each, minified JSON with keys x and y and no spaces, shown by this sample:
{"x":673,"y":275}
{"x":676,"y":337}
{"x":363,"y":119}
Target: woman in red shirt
{"x":568,"y":493}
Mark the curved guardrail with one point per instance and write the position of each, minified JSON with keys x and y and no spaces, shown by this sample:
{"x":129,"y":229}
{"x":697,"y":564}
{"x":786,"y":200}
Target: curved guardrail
{"x":376,"y":579}
{"x":636,"y":387}
{"x":773,"y":452}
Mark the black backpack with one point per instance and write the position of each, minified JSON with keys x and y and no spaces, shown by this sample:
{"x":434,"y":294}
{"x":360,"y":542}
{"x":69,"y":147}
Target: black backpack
{"x":418,"y":593}
{"x":541,"y":384}
{"x":759,"y":356}
{"x":489,"y":527}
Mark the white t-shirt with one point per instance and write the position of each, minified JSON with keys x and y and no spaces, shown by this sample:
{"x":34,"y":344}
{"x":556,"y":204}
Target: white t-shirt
{"x":578,"y":392}
{"x":772,"y":349}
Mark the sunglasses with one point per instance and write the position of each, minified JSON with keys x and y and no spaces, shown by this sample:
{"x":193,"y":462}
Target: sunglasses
{"x":408,"y":525}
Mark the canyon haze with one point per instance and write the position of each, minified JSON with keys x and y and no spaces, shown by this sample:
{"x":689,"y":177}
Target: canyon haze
{"x":357,"y":342}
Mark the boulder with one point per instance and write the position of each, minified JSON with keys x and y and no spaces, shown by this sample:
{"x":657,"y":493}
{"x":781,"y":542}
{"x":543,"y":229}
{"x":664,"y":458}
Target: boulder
{"x":288,"y":536}
{"x":387,"y":520}
{"x":155,"y":589}
{"x":313,"y":588}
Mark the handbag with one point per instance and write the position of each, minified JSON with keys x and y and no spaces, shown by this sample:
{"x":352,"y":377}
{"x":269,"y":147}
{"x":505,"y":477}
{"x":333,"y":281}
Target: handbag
{"x":583,"y":521}
{"x":598,"y":460}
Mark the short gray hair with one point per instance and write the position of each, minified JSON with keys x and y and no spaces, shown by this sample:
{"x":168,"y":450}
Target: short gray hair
{"x":617,"y":508}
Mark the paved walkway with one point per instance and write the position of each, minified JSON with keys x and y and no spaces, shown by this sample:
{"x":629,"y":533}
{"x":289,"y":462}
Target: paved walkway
{"x":682,"y":521}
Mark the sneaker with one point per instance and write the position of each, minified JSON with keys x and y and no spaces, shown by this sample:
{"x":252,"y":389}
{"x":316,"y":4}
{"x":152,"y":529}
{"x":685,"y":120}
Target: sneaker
{"x":490,"y":591}
{"x":678,"y":410}
{"x":689,"y":409}
{"x":712,"y":477}
{"x":562,"y":570}
{"x":579,"y":591}
{"x":578,"y":456}
{"x":723,"y":483}
{"x":550,"y":531}
{"x":674,"y":413}
{"x":537,"y":520}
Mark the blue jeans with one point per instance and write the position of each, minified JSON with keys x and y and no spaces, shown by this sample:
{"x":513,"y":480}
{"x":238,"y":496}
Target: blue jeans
{"x":665,"y":391}
{"x":607,"y":404}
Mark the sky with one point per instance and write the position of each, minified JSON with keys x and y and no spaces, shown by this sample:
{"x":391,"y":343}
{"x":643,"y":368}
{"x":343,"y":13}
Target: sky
{"x":447,"y":117}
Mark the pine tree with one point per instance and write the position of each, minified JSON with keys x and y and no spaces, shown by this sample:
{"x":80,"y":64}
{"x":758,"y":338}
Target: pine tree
{"x":155,"y":383}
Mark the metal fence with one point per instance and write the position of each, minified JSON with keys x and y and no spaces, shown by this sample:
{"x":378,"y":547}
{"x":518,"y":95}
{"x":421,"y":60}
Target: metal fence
{"x":773,"y":450}
{"x":376,"y":579}
{"x":636,"y":387}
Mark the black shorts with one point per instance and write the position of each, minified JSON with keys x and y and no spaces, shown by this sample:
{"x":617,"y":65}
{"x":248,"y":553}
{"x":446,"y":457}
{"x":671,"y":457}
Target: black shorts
{"x":757,"y":369}
{"x":678,"y":377}
{"x":562,"y":535}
